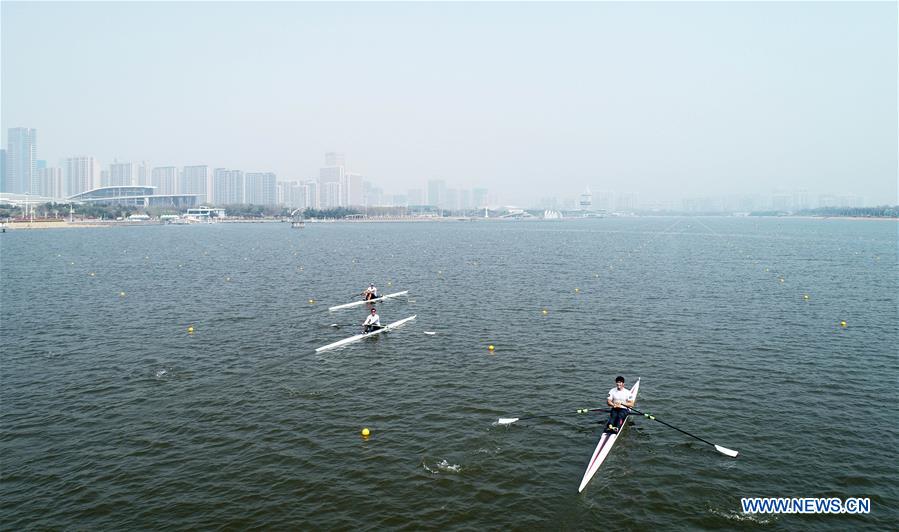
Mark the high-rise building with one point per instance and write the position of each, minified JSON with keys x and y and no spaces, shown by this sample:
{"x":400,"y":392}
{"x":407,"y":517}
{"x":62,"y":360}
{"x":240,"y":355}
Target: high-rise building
{"x":586,"y":202}
{"x":329,"y":193}
{"x":195,"y":180}
{"x":165,"y":179}
{"x":144,"y":174}
{"x":227,"y":187}
{"x":49,"y":183}
{"x":353,"y":189}
{"x":294,"y":195}
{"x":465,"y":199}
{"x":327,"y":176}
{"x":261,"y":188}
{"x":451,"y":199}
{"x":479,"y":197}
{"x":311,"y":195}
{"x":122,"y":175}
{"x":2,"y":169}
{"x":436,"y":192}
{"x":415,"y":196}
{"x":81,"y":174}
{"x":21,"y":156}
{"x":333,"y":158}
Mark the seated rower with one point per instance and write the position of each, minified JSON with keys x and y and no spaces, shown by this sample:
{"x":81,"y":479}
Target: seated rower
{"x":372,"y":322}
{"x":370,"y":293}
{"x":620,"y":399}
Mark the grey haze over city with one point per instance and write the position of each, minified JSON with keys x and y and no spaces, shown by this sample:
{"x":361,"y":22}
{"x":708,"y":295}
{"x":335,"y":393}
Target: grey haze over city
{"x":660,"y":103}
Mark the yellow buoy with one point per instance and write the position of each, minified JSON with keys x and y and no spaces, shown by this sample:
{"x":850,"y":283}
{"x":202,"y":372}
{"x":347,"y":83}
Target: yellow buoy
{"x":842,"y":324}
{"x":366,"y":433}
{"x":545,"y":312}
{"x":311,"y":301}
{"x":190,"y":329}
{"x":121,"y":294}
{"x":805,"y":297}
{"x":490,"y":347}
{"x":576,"y":290}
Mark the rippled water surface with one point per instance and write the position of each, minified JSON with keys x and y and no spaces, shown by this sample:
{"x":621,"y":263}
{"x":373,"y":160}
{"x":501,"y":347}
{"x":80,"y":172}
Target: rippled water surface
{"x":113,"y":416}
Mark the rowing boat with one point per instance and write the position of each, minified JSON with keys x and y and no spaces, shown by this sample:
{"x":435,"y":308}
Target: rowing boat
{"x":375,"y":300}
{"x":606,"y":441}
{"x":358,"y":337}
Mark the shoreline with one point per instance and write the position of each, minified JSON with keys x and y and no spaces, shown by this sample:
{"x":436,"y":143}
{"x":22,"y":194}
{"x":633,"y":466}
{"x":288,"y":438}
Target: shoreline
{"x":62,"y":224}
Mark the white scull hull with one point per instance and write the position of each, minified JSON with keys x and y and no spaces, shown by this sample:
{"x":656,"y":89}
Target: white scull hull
{"x":606,"y":441}
{"x":357,"y":303}
{"x":358,"y":337}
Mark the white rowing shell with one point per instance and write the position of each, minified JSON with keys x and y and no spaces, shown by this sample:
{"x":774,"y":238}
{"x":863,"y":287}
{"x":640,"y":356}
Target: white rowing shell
{"x":606,"y":441}
{"x":357,"y":303}
{"x":358,"y":337}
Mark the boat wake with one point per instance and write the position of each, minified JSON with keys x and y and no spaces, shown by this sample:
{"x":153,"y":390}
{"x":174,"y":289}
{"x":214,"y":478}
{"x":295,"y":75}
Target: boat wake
{"x":732,"y":515}
{"x":442,"y":467}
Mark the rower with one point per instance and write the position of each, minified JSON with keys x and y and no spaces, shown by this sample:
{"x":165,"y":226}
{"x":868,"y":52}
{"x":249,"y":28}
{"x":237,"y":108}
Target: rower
{"x":372,"y":322}
{"x":621,"y":400}
{"x":370,"y":293}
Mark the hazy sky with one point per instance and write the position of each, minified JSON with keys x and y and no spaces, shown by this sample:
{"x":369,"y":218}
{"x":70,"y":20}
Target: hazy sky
{"x":528,"y":99}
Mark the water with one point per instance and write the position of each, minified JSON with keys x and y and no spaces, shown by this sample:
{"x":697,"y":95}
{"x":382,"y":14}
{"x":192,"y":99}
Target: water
{"x":113,"y":416}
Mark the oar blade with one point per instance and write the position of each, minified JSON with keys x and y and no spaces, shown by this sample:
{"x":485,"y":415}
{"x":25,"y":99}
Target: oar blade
{"x":725,"y":450}
{"x":506,"y":420}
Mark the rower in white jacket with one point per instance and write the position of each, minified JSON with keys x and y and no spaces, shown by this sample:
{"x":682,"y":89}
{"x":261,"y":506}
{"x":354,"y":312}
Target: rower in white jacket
{"x":372,"y":322}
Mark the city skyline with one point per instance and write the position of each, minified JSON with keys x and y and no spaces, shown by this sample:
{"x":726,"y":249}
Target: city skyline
{"x":665,"y":102}
{"x":337,"y":186}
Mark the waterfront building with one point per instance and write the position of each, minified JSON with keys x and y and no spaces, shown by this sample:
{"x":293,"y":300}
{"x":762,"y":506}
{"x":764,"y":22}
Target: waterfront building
{"x":135,"y":196}
{"x":261,"y":188}
{"x":203,"y":213}
{"x":21,"y":156}
{"x":80,"y":174}
{"x":165,"y":179}
{"x":195,"y":180}
{"x":227,"y":187}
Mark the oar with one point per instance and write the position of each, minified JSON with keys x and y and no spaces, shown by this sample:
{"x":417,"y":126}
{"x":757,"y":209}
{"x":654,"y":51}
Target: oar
{"x":720,"y":449}
{"x":510,"y":420}
{"x":339,"y":325}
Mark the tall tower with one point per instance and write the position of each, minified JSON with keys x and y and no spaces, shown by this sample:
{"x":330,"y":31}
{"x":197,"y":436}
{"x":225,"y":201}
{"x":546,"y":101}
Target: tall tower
{"x":21,"y":158}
